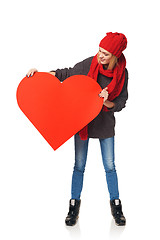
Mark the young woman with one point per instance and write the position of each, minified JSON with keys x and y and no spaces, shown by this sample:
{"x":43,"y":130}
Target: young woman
{"x":108,"y":68}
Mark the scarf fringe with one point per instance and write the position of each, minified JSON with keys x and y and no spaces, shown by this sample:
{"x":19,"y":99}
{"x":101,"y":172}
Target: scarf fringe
{"x":84,"y":133}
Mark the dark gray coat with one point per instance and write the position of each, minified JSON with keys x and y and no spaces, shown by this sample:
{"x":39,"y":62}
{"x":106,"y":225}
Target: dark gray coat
{"x":103,"y":126}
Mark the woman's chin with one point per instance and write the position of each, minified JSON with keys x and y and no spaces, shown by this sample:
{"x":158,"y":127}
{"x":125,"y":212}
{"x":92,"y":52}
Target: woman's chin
{"x":103,"y":62}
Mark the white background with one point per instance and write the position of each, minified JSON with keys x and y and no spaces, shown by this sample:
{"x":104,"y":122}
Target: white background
{"x":35,"y":180}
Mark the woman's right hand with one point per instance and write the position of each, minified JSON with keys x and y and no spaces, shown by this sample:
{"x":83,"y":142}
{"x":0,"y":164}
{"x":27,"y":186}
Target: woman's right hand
{"x":31,"y":72}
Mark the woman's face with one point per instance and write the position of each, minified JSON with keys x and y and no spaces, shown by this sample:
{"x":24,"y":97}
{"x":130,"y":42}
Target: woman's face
{"x":104,"y":56}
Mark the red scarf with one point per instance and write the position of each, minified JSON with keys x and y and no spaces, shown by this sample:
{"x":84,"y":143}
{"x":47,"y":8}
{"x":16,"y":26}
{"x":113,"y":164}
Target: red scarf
{"x":115,"y":86}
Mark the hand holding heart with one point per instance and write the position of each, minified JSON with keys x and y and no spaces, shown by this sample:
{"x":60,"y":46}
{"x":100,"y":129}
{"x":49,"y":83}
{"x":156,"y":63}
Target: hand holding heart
{"x":104,"y":94}
{"x":31,"y":72}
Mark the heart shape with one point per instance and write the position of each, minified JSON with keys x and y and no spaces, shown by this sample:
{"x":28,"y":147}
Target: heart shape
{"x":59,"y":110}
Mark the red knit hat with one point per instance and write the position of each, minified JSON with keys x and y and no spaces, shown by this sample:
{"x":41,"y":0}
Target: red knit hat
{"x":114,"y":43}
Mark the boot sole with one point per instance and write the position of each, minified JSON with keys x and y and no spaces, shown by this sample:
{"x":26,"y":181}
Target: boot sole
{"x":71,"y":224}
{"x":120,"y":224}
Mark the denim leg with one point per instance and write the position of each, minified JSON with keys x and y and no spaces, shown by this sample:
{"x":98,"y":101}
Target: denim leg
{"x":81,"y":149}
{"x":107,"y":150}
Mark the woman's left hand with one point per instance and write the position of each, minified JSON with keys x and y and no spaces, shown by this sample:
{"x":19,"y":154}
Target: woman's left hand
{"x":104,"y":94}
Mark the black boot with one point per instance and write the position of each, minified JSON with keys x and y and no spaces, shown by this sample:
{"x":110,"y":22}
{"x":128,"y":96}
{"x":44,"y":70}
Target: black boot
{"x":72,"y":216}
{"x":116,"y":210}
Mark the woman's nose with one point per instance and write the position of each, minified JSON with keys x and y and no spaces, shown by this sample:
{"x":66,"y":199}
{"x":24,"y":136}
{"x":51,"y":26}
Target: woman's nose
{"x":100,"y":55}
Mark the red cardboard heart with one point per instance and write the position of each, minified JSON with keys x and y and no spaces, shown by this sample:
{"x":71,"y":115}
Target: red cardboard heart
{"x":59,"y":110}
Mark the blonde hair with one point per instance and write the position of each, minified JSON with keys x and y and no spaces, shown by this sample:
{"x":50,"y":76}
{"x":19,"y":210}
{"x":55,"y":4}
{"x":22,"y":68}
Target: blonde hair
{"x":113,"y":61}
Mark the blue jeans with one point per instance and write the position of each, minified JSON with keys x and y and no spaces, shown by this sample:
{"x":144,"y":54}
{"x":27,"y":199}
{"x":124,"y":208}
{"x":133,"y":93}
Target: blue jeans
{"x":107,"y":151}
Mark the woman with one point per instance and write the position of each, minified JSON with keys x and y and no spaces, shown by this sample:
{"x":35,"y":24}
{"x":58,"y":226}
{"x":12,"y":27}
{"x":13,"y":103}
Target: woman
{"x":108,"y":69}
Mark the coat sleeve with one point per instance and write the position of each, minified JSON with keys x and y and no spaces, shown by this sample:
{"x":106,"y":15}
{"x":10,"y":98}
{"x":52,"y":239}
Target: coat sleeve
{"x":81,"y":68}
{"x":120,"y":101}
